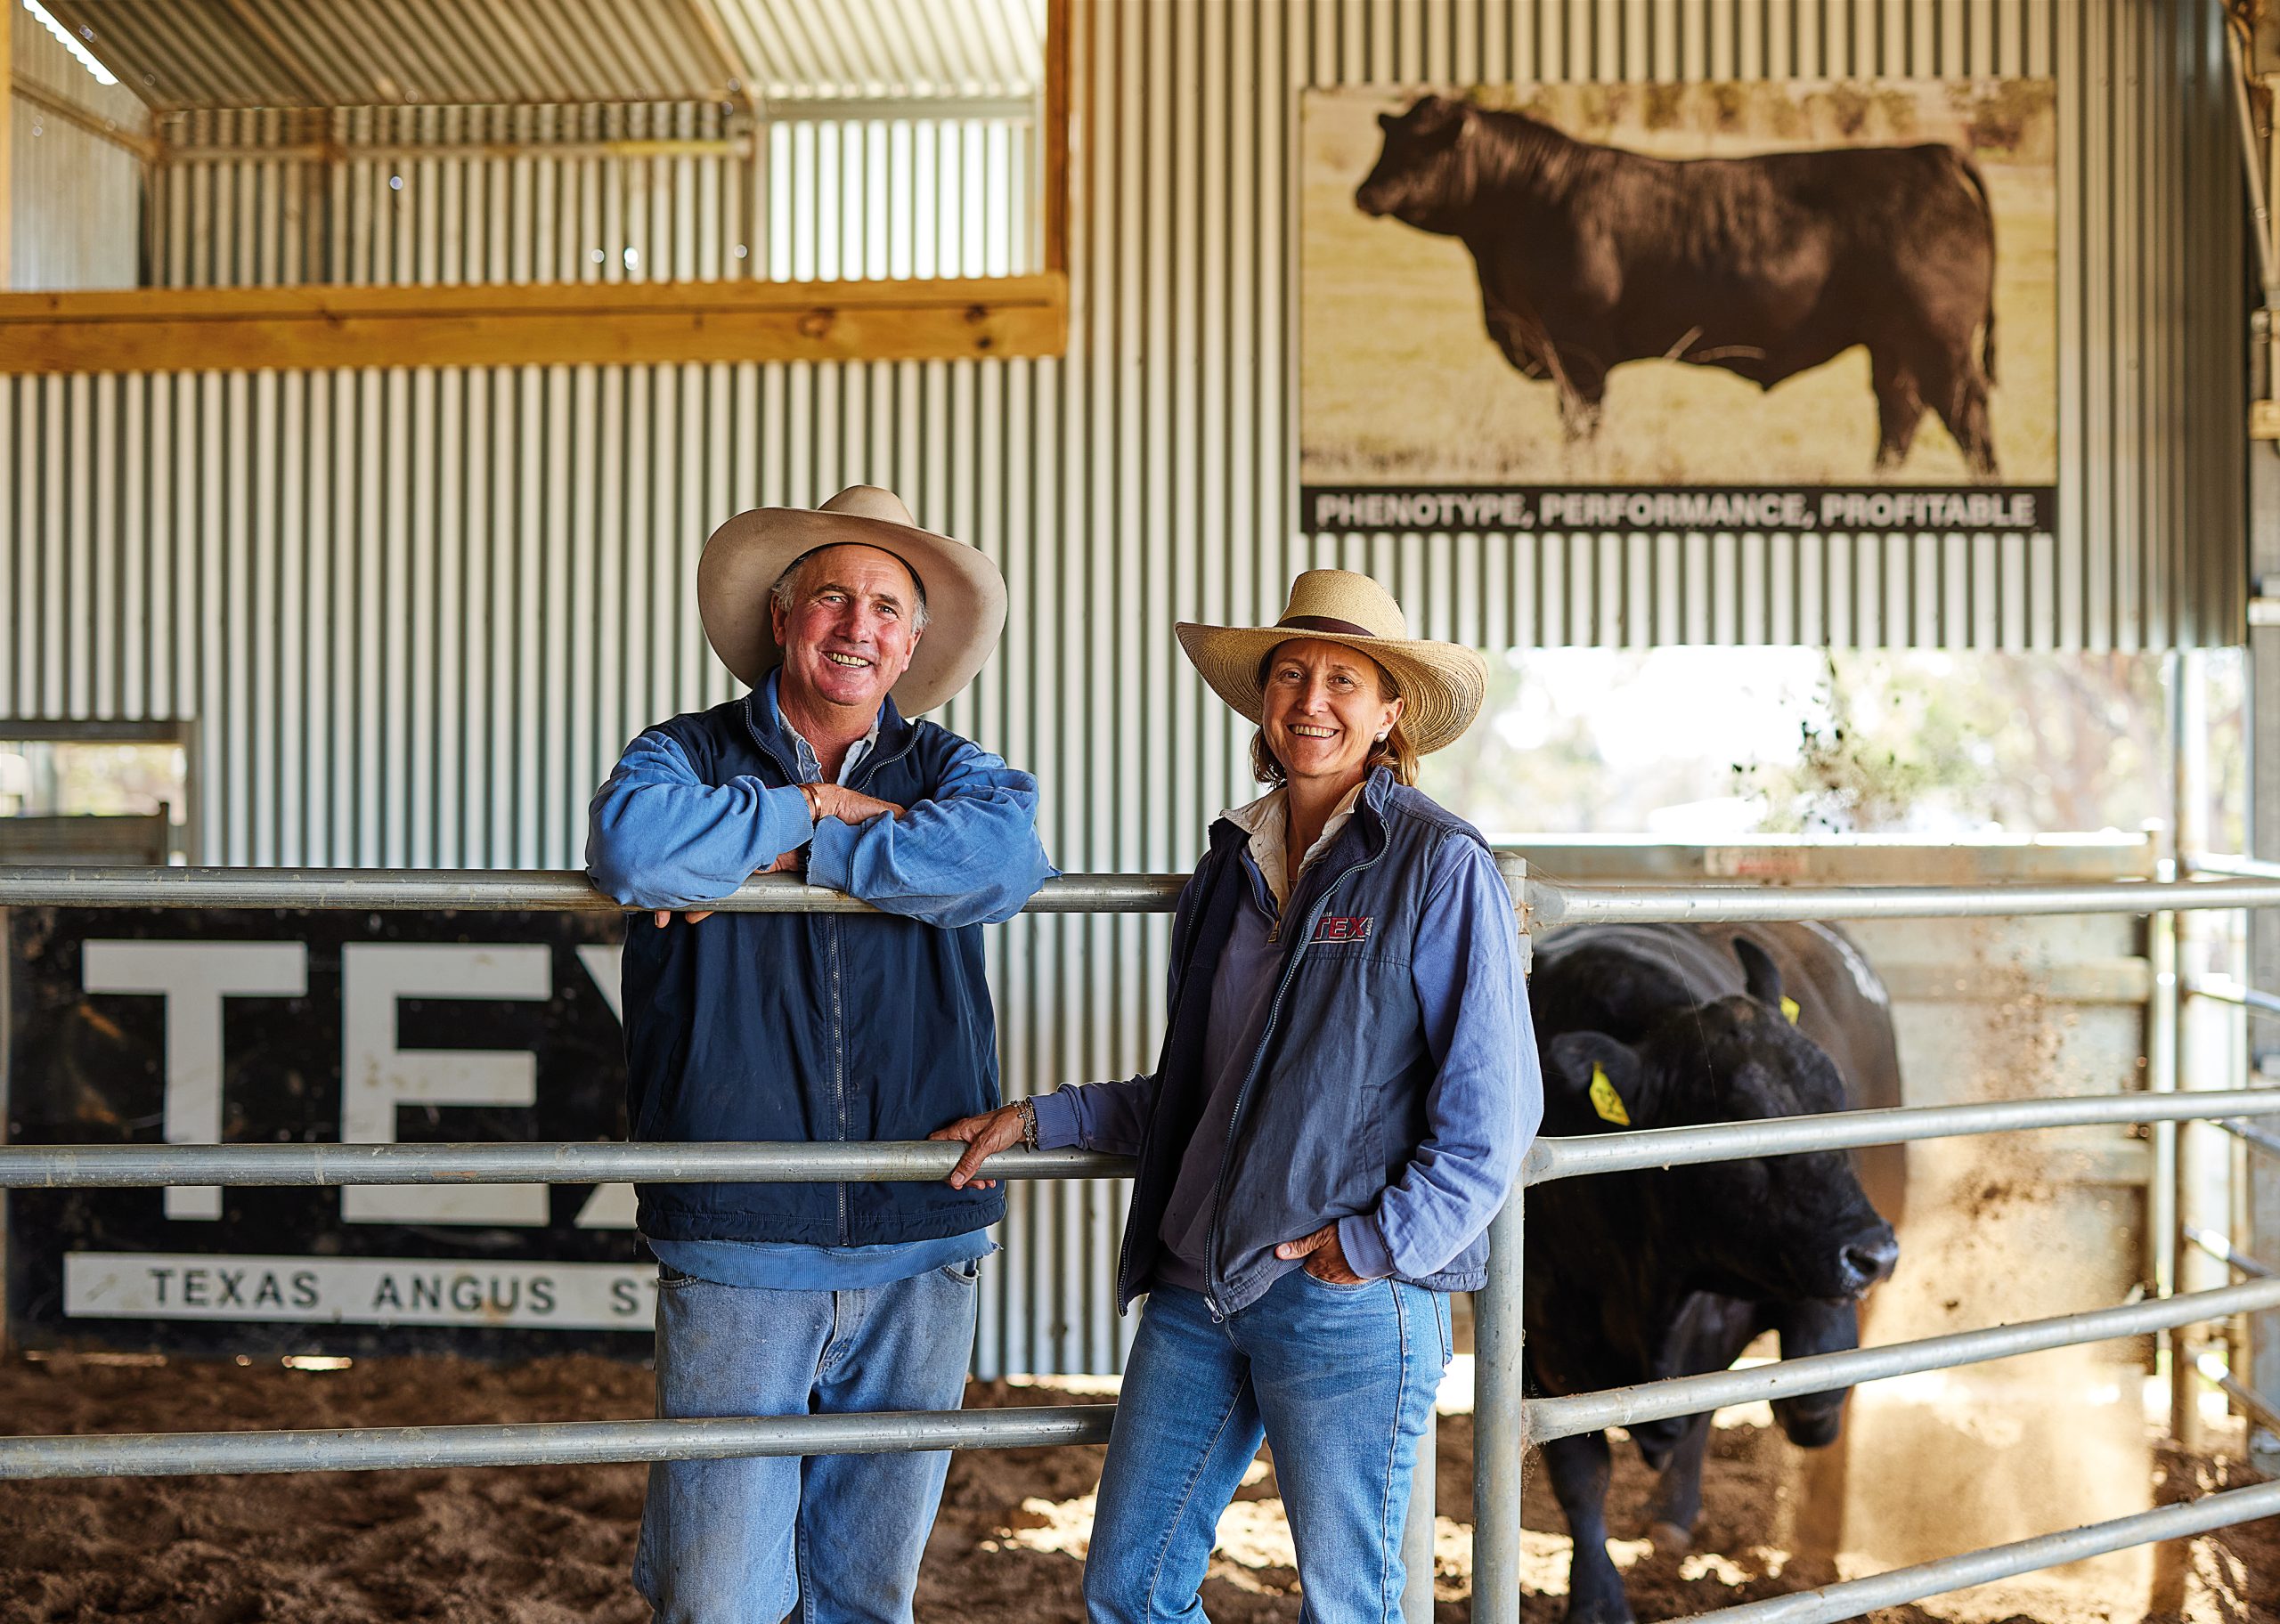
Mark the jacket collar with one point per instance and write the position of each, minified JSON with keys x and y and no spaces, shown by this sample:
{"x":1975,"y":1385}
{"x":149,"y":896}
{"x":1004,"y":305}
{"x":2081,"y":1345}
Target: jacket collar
{"x":773,"y":734}
{"x":1365,"y":834}
{"x":1266,"y":822}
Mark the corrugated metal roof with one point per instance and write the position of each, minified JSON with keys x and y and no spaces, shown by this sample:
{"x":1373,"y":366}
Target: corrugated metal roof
{"x":181,"y":54}
{"x":43,"y":61}
{"x":885,"y":48}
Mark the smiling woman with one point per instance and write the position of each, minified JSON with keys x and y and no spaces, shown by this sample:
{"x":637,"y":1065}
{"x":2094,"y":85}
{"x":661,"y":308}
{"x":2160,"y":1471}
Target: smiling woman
{"x":1347,"y":1084}
{"x":1328,"y":711}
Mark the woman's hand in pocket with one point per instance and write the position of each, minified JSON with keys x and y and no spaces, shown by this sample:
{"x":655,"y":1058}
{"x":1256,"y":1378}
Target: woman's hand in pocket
{"x":1326,"y":1258}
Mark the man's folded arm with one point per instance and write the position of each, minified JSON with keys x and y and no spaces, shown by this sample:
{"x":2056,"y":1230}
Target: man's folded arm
{"x":659,"y":837}
{"x":966,"y":855}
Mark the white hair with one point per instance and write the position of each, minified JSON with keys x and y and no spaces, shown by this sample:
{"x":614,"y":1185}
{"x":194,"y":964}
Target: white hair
{"x":786,"y":591}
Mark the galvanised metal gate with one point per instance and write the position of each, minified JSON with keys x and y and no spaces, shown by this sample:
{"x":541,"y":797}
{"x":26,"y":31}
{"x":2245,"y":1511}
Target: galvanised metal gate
{"x":1504,"y":1424}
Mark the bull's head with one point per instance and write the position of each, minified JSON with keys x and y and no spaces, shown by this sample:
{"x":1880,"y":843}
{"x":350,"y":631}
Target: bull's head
{"x":1420,"y":178}
{"x":1782,"y":1227}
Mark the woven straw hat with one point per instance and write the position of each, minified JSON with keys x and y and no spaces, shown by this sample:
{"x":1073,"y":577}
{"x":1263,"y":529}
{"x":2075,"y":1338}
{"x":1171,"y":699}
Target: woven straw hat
{"x":965,"y":595}
{"x":1442,"y":683}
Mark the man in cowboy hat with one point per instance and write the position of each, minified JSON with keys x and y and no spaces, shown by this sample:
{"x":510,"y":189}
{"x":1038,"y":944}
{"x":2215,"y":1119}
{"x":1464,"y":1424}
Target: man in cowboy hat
{"x":788,"y":1299}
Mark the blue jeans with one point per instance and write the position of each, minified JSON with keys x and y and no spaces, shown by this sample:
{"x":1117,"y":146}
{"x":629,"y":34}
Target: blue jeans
{"x":1340,"y":1379}
{"x":742,"y":1541}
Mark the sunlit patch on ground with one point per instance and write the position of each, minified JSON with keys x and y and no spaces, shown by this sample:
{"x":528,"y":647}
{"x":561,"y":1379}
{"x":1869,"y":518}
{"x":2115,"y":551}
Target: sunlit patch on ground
{"x":1062,"y":1528}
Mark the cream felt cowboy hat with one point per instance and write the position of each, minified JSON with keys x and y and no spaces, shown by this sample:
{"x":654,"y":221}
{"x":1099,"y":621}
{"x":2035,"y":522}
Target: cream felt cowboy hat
{"x":965,"y":595}
{"x":1443,"y":684}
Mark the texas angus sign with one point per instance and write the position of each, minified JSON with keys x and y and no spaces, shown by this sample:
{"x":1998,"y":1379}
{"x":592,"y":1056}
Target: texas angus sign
{"x":185,"y":1027}
{"x":1703,"y":306}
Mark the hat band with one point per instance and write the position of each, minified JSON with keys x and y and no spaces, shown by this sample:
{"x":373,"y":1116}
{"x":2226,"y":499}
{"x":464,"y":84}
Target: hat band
{"x":1322,"y":622}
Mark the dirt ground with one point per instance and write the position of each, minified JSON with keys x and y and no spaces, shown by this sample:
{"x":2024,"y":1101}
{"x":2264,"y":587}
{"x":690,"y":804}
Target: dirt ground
{"x":538,"y":1545}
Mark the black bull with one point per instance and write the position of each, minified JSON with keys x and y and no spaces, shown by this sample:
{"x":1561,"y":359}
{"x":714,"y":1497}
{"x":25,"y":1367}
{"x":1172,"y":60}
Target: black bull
{"x":1590,"y":256}
{"x":1637,"y":1276}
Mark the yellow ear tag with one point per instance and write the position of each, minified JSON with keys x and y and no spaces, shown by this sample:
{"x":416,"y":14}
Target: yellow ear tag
{"x":1789,"y":1007}
{"x":1605,"y":1100}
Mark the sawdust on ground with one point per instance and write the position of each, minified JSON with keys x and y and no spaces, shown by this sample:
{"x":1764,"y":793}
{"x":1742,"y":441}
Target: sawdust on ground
{"x":541,"y":1545}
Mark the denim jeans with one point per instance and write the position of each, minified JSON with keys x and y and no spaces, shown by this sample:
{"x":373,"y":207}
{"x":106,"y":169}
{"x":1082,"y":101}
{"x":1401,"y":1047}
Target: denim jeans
{"x":742,"y":1542}
{"x":1339,"y":1379}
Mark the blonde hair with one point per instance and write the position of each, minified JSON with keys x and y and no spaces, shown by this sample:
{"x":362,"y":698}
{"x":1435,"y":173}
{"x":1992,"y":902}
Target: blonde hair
{"x":1394,"y":751}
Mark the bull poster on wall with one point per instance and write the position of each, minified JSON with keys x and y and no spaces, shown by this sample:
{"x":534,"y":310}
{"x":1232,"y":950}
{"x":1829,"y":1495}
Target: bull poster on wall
{"x":1795,"y":305}
{"x":200,"y":1027}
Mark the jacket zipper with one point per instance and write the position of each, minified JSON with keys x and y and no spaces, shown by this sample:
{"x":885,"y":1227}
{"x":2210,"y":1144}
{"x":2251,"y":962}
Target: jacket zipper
{"x":867,"y":768}
{"x":1211,"y":1295}
{"x":838,"y":1064}
{"x":870,"y":765}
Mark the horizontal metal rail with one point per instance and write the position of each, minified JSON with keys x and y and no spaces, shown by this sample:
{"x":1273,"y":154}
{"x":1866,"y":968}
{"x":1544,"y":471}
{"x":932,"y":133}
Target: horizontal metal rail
{"x":1857,"y":1597}
{"x":489,"y":890}
{"x":1545,"y":904}
{"x":102,"y":1166}
{"x":2251,"y":1403}
{"x":1693,"y":1395}
{"x":2247,"y":1135}
{"x":240,"y":1166}
{"x":2245,"y":1399}
{"x":2224,"y":989}
{"x":587,"y":1442}
{"x":547,"y":1443}
{"x":1726,"y":1141}
{"x":2221,"y":1247}
{"x":2231,"y":866}
{"x":1550,"y":905}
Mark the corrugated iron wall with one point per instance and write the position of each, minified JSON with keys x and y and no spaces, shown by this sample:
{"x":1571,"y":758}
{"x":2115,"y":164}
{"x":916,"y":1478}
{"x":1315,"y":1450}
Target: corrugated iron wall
{"x":593,"y":194}
{"x":417,"y":613}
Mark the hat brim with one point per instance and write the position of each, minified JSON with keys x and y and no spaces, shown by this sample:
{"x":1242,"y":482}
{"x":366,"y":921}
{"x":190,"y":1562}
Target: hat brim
{"x":965,"y":595}
{"x":1443,"y":684}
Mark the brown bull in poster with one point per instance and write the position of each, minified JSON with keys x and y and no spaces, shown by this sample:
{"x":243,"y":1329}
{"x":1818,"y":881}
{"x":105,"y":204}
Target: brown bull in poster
{"x":1588,"y":257}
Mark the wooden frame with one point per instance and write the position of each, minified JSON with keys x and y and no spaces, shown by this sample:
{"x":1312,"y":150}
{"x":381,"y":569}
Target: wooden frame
{"x":319,"y":326}
{"x":202,"y":329}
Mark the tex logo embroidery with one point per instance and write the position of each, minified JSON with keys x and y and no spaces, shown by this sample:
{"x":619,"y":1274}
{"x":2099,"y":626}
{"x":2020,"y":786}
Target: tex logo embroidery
{"x":1350,"y":929}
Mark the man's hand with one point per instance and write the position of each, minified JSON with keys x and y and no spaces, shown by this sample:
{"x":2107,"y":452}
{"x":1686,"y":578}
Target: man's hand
{"x":830,"y":800}
{"x":793,"y":862}
{"x":850,"y":806}
{"x":985,"y":1135}
{"x":1326,"y":1258}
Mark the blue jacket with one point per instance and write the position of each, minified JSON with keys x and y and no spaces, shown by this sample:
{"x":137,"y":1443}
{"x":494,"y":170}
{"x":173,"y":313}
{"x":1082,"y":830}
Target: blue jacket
{"x":811,"y":1027}
{"x":1401,"y":1117}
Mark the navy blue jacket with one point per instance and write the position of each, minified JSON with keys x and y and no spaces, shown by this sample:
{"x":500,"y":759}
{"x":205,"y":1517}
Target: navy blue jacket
{"x":811,"y":1027}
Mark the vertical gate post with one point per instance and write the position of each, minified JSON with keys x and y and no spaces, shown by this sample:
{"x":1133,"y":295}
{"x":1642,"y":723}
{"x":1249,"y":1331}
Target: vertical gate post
{"x":2263,"y":634}
{"x":1499,"y":1425}
{"x":1417,"y":1533}
{"x":2162,"y":1023}
{"x":2202,"y":1054}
